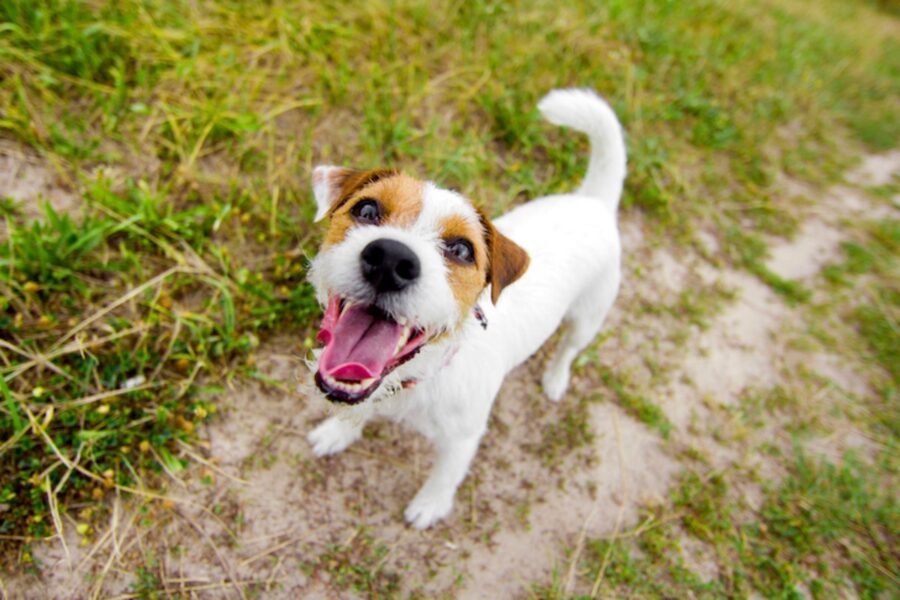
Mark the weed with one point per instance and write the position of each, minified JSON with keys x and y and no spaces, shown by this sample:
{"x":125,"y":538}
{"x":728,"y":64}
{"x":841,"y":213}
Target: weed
{"x":95,"y":402}
{"x":749,"y":252}
{"x":636,"y":405}
{"x":867,"y":278}
{"x":357,"y":565}
{"x":148,"y":584}
{"x":564,"y":435}
{"x":824,"y":528}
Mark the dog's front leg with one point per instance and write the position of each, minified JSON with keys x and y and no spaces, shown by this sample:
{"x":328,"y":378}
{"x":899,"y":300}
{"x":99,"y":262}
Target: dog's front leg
{"x":336,"y":433}
{"x":435,"y":499}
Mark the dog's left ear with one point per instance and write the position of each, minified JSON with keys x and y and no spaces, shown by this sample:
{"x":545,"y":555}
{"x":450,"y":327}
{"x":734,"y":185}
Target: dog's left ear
{"x":332,"y":186}
{"x":508,"y":261}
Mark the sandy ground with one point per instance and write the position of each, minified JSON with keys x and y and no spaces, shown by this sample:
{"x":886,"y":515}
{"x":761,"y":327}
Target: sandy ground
{"x":31,"y":181}
{"x":262,"y":517}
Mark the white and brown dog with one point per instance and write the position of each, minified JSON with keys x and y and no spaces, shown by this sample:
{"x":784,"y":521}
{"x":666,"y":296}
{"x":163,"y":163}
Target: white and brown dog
{"x":429,"y":305}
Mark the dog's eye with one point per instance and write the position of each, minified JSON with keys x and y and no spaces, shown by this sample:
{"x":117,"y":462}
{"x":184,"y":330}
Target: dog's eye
{"x":459,"y":250}
{"x":366,"y":211}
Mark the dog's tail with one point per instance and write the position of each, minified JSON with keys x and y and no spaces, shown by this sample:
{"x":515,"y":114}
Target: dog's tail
{"x":585,"y":111}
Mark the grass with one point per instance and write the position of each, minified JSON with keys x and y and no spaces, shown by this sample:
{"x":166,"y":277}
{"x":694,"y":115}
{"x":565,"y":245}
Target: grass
{"x":567,"y":434}
{"x":357,"y":566}
{"x":188,"y":130}
{"x":641,"y":408}
{"x":828,"y":530}
{"x":863,"y":284}
{"x":112,"y":325}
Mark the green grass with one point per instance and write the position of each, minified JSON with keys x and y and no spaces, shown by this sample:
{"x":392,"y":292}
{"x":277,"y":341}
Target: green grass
{"x":571,"y":431}
{"x":111,"y":326}
{"x":828,"y":529}
{"x":207,"y":116}
{"x":356,"y":566}
{"x":641,"y":408}
{"x":864,"y":285}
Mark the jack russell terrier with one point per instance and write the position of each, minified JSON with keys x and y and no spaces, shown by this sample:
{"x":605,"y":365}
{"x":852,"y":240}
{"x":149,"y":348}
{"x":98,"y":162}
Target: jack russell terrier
{"x":428,"y":304}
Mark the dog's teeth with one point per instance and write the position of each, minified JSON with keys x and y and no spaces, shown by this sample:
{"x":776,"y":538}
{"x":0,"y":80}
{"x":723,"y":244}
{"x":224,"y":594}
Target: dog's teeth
{"x":404,"y":337}
{"x":401,"y":320}
{"x":346,"y":386}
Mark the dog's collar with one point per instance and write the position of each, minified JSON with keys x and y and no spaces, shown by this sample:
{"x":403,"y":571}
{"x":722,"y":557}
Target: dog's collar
{"x":413,"y":381}
{"x":479,"y":316}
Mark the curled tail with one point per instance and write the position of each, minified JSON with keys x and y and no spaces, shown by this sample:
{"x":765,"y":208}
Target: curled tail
{"x":585,"y":111}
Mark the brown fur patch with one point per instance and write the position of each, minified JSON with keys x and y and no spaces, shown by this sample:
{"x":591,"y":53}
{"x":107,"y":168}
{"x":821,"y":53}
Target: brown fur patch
{"x":508,"y":261}
{"x":466,"y":281}
{"x":399,"y":195}
{"x":346,"y":182}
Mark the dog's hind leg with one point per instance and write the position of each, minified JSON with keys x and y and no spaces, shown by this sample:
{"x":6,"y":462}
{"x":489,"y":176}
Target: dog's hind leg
{"x":583,"y":322}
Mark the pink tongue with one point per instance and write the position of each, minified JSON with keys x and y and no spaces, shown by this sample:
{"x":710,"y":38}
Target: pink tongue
{"x":358,"y":344}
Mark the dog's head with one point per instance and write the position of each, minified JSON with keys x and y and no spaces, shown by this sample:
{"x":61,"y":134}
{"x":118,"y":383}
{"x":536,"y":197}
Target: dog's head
{"x":402,"y":265}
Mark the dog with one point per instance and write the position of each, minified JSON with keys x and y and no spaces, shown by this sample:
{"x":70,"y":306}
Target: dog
{"x":428,"y":304}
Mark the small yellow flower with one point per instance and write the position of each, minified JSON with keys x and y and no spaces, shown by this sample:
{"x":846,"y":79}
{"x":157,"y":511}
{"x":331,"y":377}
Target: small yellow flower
{"x":38,"y":392}
{"x":31,"y":287}
{"x":103,"y":409}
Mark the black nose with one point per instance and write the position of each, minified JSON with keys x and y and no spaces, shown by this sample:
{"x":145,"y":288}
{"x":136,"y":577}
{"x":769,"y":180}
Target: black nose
{"x":389,"y":265}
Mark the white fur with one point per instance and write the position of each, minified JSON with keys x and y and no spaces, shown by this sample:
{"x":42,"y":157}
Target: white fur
{"x":322,"y":191}
{"x":573,"y":277}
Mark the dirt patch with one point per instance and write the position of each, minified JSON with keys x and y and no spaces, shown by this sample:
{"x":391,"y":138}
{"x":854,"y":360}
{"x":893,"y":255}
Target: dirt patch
{"x":876,"y":169}
{"x":816,"y":245}
{"x":31,"y":180}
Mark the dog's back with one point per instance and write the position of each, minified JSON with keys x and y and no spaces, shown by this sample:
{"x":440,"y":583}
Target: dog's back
{"x":572,"y":239}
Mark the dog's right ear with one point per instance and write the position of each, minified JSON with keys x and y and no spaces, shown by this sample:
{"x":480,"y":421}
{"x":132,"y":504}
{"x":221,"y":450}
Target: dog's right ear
{"x":332,"y":186}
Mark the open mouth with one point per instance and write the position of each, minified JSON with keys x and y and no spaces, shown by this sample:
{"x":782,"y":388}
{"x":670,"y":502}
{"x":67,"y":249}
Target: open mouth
{"x":362,"y":345}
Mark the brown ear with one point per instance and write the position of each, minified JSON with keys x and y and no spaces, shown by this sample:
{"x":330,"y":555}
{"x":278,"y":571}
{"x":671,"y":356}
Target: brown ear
{"x":332,"y":186}
{"x":508,"y":261}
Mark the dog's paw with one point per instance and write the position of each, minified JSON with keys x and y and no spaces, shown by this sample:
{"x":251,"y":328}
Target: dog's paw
{"x":555,"y":382}
{"x":333,"y":436}
{"x":427,"y":509}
